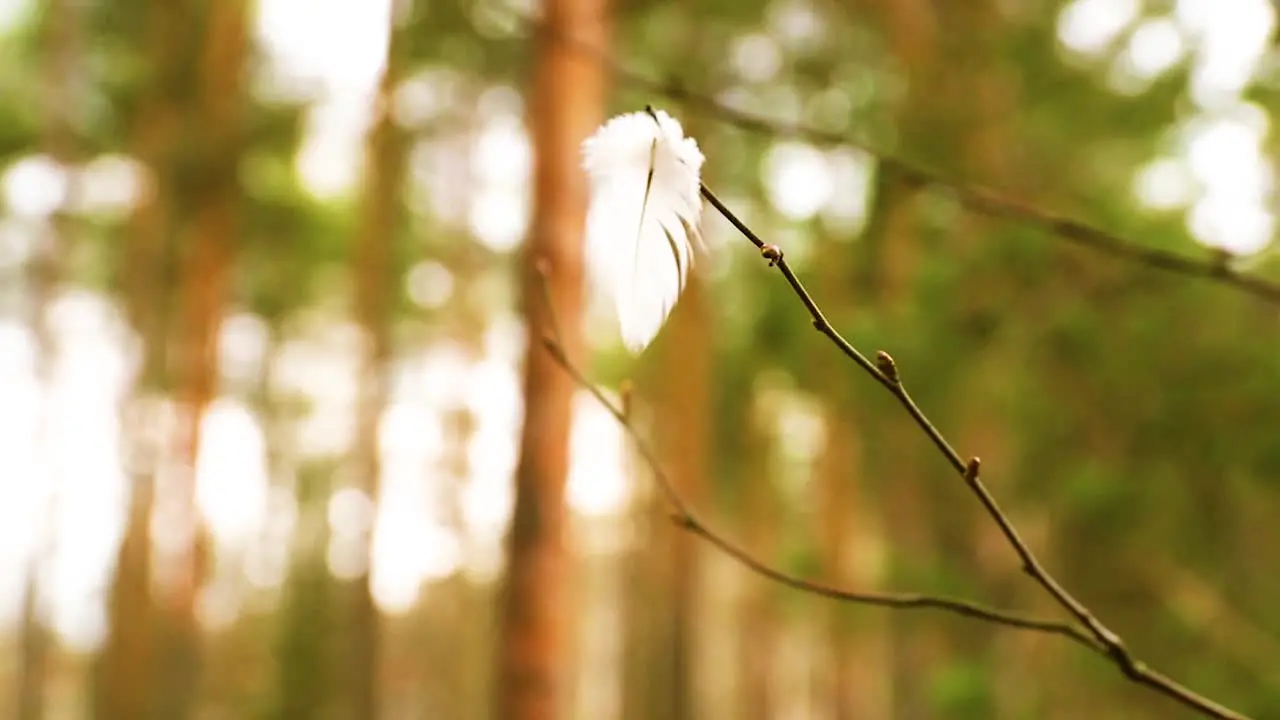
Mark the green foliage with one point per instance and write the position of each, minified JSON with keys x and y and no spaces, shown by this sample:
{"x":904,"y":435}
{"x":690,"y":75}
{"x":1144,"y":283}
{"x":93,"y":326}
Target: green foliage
{"x":962,"y":690}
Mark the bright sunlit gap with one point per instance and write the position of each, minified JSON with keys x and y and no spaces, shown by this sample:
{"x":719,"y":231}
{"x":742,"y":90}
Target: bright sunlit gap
{"x":1218,"y":171}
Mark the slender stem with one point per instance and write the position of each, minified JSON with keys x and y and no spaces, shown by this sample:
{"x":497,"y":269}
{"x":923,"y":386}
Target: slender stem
{"x":886,"y":373}
{"x":687,"y":519}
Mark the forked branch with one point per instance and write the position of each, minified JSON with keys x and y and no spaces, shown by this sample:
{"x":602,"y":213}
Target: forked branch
{"x":684,"y":516}
{"x":885,"y":371}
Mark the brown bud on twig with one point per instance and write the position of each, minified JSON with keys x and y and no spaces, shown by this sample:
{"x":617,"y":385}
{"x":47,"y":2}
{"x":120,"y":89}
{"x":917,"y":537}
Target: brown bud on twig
{"x":971,"y":468}
{"x":886,"y":365}
{"x":772,"y":253}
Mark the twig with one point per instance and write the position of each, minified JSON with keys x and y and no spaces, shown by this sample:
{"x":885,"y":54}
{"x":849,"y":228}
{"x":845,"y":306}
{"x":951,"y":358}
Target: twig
{"x":885,"y":371}
{"x":978,"y":199}
{"x":684,"y":517}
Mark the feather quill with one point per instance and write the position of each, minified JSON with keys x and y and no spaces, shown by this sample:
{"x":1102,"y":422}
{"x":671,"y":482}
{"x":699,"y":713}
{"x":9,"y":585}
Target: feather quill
{"x":643,"y":217}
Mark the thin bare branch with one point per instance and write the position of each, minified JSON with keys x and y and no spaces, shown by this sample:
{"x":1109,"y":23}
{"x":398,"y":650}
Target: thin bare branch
{"x":885,"y":371}
{"x":684,"y":517}
{"x":1215,"y":267}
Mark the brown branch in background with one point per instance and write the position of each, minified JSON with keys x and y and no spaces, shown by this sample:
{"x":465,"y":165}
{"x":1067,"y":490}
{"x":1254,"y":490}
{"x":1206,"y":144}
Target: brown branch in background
{"x":975,"y":198}
{"x":885,"y":371}
{"x":684,"y":516}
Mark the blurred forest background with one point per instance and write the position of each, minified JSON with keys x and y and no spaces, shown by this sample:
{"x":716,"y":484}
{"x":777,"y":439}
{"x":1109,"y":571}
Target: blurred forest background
{"x":263,"y":360}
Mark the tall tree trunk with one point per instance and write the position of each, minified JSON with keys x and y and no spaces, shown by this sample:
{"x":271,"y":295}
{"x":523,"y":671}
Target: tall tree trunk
{"x":759,"y":639}
{"x":853,"y":680}
{"x":681,"y":435}
{"x":912,"y":30}
{"x":640,"y":592}
{"x":373,"y":265}
{"x":852,"y":677}
{"x":206,"y":270}
{"x":34,"y":646}
{"x":991,"y":147}
{"x":303,"y":683}
{"x":124,"y":672}
{"x":910,"y":509}
{"x":566,"y":105}
{"x":453,"y":673}
{"x":987,"y":149}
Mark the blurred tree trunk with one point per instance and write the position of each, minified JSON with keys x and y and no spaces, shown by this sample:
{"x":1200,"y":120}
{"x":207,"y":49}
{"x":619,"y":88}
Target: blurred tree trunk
{"x":910,"y":508}
{"x":993,"y":152}
{"x":759,"y":638}
{"x":33,"y":645}
{"x":304,"y":681}
{"x":911,"y":29}
{"x":454,"y":672}
{"x":125,"y":671}
{"x":650,"y":669}
{"x":988,"y":144}
{"x":681,"y":436}
{"x":62,"y":32}
{"x":566,"y":105}
{"x":853,"y":683}
{"x":464,"y":677}
{"x":641,"y":611}
{"x":836,"y":474}
{"x":386,"y":153}
{"x":206,"y":264}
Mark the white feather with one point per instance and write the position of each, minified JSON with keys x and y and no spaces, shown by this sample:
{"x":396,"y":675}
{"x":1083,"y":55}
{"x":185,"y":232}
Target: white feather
{"x":642,"y":225}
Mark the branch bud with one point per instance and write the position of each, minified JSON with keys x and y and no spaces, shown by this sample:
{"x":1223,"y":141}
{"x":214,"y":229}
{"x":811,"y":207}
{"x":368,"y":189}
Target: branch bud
{"x":772,"y":253}
{"x":886,"y":365}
